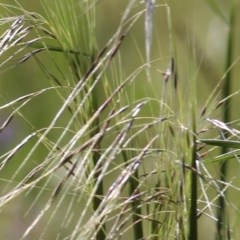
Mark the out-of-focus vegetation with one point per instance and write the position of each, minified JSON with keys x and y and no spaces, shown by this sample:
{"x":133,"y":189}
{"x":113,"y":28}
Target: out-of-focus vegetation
{"x":99,"y":143}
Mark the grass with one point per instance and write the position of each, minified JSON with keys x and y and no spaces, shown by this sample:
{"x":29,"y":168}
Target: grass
{"x":113,"y":153}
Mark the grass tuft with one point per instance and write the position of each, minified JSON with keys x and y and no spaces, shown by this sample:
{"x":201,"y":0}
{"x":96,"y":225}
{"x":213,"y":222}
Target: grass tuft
{"x":109,"y":144}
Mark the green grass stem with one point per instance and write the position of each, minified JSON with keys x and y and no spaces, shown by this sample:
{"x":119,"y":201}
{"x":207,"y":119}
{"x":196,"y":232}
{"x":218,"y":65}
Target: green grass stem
{"x":222,"y":222}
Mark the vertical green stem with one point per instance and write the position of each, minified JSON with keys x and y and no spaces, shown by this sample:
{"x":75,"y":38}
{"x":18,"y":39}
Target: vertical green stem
{"x":96,"y":156}
{"x":137,"y":212}
{"x":137,"y":216}
{"x":193,"y":231}
{"x":221,"y":211}
{"x":99,"y":191}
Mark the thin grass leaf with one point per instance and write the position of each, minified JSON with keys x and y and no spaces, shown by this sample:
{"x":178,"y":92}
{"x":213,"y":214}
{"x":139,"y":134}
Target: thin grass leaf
{"x":221,"y":143}
{"x":223,"y":157}
{"x":50,"y":47}
{"x":215,"y":7}
{"x":148,"y":31}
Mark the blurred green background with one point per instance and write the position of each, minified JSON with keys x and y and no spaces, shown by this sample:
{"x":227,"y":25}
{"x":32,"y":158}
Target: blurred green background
{"x":200,"y":42}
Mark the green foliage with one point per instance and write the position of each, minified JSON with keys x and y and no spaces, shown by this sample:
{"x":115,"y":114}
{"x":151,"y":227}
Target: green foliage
{"x":109,"y":144}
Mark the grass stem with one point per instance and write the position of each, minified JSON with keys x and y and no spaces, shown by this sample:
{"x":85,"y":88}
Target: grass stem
{"x":221,"y":211}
